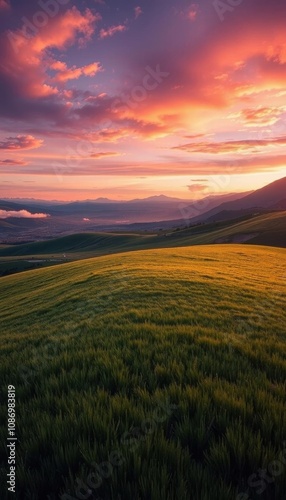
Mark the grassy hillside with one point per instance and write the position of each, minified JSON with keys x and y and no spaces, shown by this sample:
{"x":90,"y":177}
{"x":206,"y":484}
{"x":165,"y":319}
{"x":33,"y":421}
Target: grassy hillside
{"x":85,"y":242}
{"x":17,"y":258}
{"x":174,"y":359}
{"x":271,"y":226}
{"x":266,"y":229}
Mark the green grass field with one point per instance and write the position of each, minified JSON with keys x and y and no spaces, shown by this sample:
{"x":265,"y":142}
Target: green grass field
{"x":94,"y":347}
{"x":266,"y":229}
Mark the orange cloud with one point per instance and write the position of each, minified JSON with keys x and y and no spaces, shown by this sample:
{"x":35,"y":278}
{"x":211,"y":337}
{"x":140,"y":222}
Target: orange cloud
{"x":63,"y":30}
{"x":64,"y":73}
{"x":262,"y":116}
{"x":91,"y":69}
{"x":104,"y":33}
{"x":252,"y":60}
{"x":225,"y":64}
{"x":58,"y":66}
{"x":194,"y":136}
{"x":98,"y":156}
{"x":26,"y":61}
{"x":231,"y":146}
{"x":58,"y":33}
{"x":21,"y":142}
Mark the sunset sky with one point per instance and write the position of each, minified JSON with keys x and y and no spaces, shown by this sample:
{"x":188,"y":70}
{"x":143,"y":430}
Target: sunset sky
{"x":127,"y":99}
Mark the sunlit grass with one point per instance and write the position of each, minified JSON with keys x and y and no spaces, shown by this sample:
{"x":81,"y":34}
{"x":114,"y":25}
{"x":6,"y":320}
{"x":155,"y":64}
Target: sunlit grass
{"x":92,"y":347}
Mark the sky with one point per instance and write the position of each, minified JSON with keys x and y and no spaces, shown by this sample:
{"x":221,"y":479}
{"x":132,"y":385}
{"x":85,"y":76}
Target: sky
{"x":133,"y":98}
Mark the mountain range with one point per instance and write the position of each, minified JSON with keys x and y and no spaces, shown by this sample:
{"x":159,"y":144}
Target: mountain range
{"x":149,"y":214}
{"x":270,"y":197}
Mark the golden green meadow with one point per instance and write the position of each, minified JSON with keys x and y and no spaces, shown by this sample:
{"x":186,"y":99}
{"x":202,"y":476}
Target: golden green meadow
{"x":95,"y":347}
{"x":264,"y":229}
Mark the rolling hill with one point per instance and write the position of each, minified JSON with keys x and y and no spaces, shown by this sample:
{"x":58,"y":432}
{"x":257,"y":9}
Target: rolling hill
{"x":267,"y":229}
{"x":83,"y":242}
{"x":154,"y":374}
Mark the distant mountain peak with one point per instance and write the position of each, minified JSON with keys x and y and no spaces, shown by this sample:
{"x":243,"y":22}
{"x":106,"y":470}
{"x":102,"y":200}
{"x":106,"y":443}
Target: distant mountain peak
{"x":266,"y":198}
{"x":160,"y":197}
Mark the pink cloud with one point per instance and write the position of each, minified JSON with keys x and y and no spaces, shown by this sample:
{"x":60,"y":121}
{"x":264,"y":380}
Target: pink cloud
{"x":64,"y":30}
{"x":26,"y":59}
{"x":21,"y":214}
{"x":4,"y":5}
{"x":221,"y":65}
{"x":21,"y":142}
{"x":197,"y":188}
{"x":192,"y":12}
{"x":12,"y":162}
{"x":138,"y":12}
{"x":58,"y":66}
{"x":104,"y":33}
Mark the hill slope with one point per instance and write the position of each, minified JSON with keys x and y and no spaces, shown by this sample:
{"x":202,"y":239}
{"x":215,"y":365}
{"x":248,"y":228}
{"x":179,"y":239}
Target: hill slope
{"x":94,"y":347}
{"x":271,"y":196}
{"x":267,"y":229}
{"x":84,"y":242}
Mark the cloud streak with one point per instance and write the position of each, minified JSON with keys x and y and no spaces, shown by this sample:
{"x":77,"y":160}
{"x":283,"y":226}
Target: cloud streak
{"x":248,"y":145}
{"x":64,"y":73}
{"x":99,"y":156}
{"x":197,"y":188}
{"x":111,"y":31}
{"x":15,"y":162}
{"x":21,"y":142}
{"x":21,"y":214}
